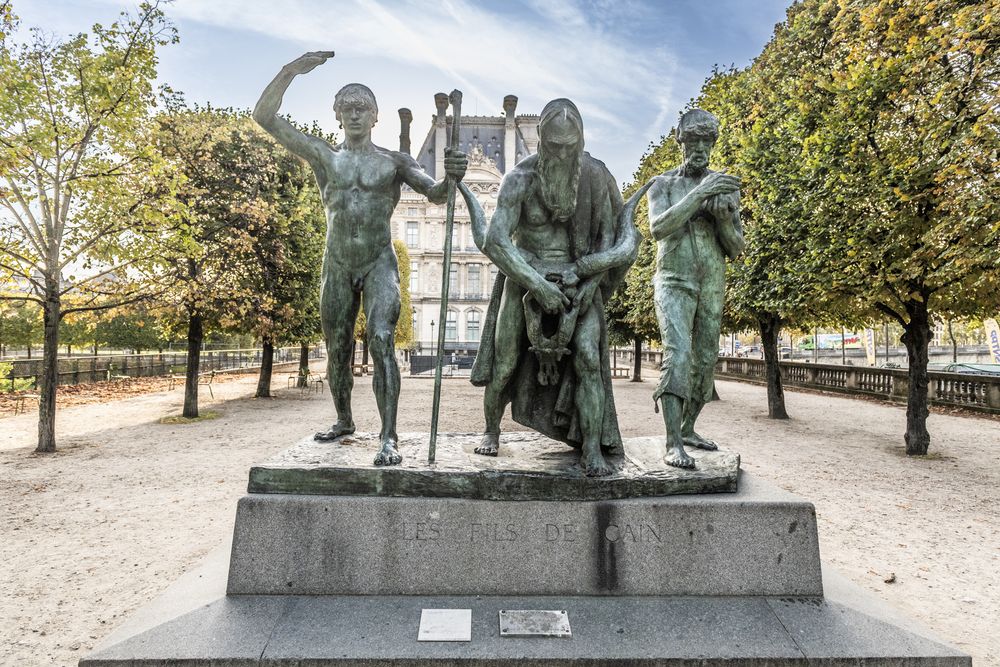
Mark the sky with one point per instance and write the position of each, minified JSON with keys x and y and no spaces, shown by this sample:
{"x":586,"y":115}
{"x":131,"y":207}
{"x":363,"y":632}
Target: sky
{"x":630,"y":65}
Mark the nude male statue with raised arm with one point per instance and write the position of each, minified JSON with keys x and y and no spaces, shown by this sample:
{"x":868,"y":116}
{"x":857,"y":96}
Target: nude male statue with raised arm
{"x":360,"y":185}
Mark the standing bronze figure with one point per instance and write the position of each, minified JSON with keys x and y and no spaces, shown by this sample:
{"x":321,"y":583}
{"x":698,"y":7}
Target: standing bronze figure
{"x":694,"y":216}
{"x":360,"y":186}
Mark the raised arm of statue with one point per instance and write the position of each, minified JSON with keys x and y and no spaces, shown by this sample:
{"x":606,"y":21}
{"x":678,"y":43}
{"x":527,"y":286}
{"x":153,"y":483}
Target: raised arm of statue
{"x":500,"y":248}
{"x":311,"y":149}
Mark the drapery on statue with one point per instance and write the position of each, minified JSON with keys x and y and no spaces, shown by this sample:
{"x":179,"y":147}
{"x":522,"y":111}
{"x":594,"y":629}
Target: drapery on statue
{"x":694,"y":216}
{"x":562,"y":241}
{"x":359,"y":183}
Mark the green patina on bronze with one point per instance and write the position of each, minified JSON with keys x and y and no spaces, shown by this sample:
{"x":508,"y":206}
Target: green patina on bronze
{"x":563,"y":240}
{"x":360,"y":186}
{"x":531,"y":467}
{"x":694,"y":216}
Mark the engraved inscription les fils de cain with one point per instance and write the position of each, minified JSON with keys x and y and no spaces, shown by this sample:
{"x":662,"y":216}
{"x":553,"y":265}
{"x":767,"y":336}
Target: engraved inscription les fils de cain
{"x":429,"y":531}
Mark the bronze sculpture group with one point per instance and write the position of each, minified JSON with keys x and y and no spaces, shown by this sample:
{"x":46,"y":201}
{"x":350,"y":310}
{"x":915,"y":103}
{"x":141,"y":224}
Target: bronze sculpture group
{"x":562,"y":239}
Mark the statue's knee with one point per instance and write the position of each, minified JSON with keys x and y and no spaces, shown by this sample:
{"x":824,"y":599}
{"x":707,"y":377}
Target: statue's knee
{"x":380,"y":343}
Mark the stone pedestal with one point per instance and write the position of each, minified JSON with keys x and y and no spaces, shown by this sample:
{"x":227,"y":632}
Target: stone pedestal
{"x":712,"y":578}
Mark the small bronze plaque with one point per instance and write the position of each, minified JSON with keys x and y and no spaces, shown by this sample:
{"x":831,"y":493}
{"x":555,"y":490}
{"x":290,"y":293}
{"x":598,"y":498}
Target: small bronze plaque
{"x":534,"y":623}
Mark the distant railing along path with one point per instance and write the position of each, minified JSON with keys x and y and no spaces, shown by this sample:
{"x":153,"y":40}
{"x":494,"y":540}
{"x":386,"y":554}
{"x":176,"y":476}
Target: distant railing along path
{"x":79,"y":370}
{"x":975,"y":392}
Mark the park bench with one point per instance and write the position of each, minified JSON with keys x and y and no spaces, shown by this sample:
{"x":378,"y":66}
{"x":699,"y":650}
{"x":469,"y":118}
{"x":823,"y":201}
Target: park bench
{"x":20,"y":402}
{"x":621,"y":372}
{"x":360,"y":369}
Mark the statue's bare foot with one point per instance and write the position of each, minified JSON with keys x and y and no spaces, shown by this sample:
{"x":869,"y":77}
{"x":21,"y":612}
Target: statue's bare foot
{"x":388,"y":455}
{"x":490,"y":444}
{"x":695,"y":440}
{"x":337,"y":430}
{"x":678,"y":458}
{"x":595,"y":465}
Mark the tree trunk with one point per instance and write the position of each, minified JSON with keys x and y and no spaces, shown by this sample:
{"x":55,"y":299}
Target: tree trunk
{"x":636,"y":359}
{"x":303,"y":364}
{"x":769,"y":326}
{"x":916,"y":337}
{"x":29,"y":350}
{"x":194,"y":338}
{"x":266,"y":365}
{"x":49,"y":378}
{"x":954,"y":344}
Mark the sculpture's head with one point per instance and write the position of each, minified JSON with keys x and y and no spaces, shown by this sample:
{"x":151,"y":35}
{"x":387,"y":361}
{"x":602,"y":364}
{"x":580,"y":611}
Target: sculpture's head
{"x":560,"y":156}
{"x":355,"y":108}
{"x":696,"y":133}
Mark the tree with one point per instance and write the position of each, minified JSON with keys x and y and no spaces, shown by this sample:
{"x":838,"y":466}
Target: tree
{"x":905,"y":155}
{"x":195,"y":251}
{"x":68,"y":121}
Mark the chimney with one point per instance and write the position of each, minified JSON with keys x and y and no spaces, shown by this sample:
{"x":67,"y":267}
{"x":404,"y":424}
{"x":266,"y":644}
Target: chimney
{"x":509,"y":133}
{"x":440,"y":134}
{"x":405,"y":118}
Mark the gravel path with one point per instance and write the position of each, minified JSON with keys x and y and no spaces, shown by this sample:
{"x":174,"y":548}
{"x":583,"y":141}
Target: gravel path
{"x":128,"y":504}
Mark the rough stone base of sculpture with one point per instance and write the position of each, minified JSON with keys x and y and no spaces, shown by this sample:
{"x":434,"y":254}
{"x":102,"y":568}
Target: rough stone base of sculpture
{"x":529,"y":467}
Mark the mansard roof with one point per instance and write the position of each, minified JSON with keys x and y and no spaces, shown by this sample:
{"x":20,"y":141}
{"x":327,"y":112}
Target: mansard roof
{"x":486,"y":131}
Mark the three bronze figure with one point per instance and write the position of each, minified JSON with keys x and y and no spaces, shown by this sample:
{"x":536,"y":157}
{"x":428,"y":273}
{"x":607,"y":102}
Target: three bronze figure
{"x":562,"y":239}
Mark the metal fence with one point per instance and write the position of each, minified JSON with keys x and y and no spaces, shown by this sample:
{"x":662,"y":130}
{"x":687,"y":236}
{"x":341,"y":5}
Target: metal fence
{"x":975,"y":392}
{"x":421,"y":363}
{"x":79,"y":370}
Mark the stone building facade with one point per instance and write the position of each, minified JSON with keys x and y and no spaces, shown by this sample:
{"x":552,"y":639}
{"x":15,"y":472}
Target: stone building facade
{"x":494,"y":145}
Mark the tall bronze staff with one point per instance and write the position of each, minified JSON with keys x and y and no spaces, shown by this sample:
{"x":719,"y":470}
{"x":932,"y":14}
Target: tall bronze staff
{"x":456,"y":109}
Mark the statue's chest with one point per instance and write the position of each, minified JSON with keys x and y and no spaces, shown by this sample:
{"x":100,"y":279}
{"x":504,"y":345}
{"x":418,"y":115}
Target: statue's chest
{"x":362,"y":172}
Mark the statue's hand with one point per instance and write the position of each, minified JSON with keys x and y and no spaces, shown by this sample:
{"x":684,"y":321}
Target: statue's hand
{"x":718,"y":183}
{"x":550,"y":297}
{"x":307,"y":62}
{"x":455,"y":163}
{"x":721,"y":207}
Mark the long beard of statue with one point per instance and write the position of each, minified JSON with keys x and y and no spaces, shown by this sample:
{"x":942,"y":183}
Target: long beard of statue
{"x":559,"y":182}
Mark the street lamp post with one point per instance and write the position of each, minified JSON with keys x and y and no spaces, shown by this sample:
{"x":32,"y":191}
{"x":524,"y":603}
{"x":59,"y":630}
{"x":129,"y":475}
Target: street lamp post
{"x":432,"y":332}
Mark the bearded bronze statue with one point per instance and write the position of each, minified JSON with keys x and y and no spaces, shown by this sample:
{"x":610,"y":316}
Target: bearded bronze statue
{"x":563,"y":240}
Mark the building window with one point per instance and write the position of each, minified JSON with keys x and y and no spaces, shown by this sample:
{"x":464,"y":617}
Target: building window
{"x":453,"y":281}
{"x":472,"y":326}
{"x":456,"y":234}
{"x":451,"y":326}
{"x":412,"y":234}
{"x":412,"y":211}
{"x":493,"y":275}
{"x":475,"y":287}
{"x":414,"y":277}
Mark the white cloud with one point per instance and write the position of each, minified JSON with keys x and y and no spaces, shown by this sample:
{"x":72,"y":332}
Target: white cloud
{"x":561,"y":49}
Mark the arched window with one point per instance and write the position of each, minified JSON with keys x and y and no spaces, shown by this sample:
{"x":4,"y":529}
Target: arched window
{"x":472,"y":326}
{"x":451,"y":326}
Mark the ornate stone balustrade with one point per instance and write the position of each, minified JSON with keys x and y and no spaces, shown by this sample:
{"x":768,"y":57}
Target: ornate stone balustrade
{"x":975,"y":392}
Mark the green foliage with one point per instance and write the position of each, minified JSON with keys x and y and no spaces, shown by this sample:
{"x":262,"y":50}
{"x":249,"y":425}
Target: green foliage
{"x":7,"y":386}
{"x":20,"y":324}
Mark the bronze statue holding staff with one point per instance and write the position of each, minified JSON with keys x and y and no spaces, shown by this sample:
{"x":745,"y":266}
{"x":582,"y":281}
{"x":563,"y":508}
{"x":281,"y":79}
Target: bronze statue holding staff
{"x":360,"y":186}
